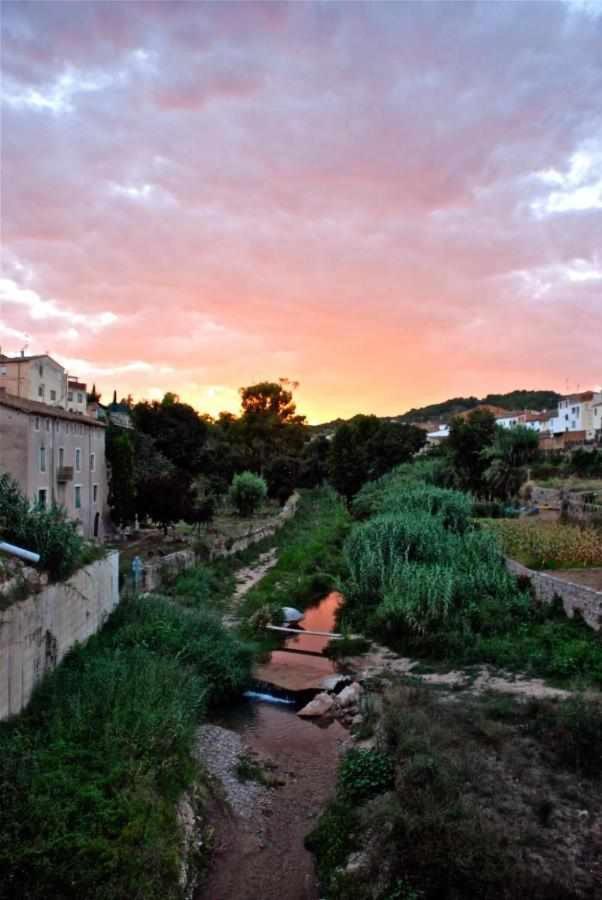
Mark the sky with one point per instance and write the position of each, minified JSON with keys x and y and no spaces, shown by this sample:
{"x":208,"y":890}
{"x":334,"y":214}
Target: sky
{"x":391,"y":203}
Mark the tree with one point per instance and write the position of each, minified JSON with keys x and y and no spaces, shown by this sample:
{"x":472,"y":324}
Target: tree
{"x":247,"y":492}
{"x":366,"y":448}
{"x":282,"y":475}
{"x":346,"y":464}
{"x":164,"y":498}
{"x":178,"y":430}
{"x":513,"y":449}
{"x":120,"y":454}
{"x":269,"y":424}
{"x":468,"y":438}
{"x":314,"y":462}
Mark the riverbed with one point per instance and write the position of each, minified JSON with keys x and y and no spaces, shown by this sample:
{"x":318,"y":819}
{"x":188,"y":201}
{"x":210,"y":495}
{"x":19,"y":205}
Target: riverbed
{"x":261,"y":855}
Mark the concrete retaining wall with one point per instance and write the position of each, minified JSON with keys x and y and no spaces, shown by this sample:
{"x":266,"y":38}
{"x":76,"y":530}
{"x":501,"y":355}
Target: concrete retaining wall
{"x":36,"y":633}
{"x":574,"y":597}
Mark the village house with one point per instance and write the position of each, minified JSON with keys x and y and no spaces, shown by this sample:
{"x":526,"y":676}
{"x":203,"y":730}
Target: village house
{"x":38,"y":378}
{"x":76,"y":396}
{"x":576,"y":415}
{"x":56,"y":456}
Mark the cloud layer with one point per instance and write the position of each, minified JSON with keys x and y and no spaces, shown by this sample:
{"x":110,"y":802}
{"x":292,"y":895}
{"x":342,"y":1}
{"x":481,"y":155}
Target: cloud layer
{"x":391,"y":203}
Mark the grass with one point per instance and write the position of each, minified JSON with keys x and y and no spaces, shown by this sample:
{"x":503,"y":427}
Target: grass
{"x":548,"y":545}
{"x":466,"y":801}
{"x":91,"y":773}
{"x":310,"y":559}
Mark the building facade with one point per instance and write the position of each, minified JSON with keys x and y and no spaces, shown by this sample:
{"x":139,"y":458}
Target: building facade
{"x":38,"y":378}
{"x":76,"y":396}
{"x":56,"y":457}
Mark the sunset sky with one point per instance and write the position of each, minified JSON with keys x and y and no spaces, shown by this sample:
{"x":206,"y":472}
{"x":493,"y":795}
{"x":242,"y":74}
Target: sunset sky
{"x":391,"y":203}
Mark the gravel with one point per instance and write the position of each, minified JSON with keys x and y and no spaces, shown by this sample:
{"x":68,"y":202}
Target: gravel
{"x":219,"y":750}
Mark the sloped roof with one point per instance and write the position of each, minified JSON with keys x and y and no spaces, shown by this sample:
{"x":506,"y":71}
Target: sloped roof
{"x":33,"y":407}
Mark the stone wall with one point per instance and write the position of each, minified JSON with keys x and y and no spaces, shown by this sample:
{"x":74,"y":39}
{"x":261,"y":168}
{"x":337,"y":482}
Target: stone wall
{"x":36,"y":633}
{"x":254,"y":535}
{"x":546,"y":496}
{"x":164,"y":568}
{"x":574,"y":597}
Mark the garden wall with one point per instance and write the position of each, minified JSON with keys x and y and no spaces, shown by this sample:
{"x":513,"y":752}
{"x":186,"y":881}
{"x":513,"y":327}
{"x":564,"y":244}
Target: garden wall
{"x":169,"y":566}
{"x":36,"y":633}
{"x":166,"y":568}
{"x":574,"y":597}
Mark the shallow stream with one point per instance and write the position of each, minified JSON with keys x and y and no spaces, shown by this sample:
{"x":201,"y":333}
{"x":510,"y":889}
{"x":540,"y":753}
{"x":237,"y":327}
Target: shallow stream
{"x":264,"y":858}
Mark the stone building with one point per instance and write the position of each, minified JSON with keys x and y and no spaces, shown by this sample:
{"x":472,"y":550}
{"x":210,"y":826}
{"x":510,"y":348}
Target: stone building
{"x":56,"y":456}
{"x":38,"y":378}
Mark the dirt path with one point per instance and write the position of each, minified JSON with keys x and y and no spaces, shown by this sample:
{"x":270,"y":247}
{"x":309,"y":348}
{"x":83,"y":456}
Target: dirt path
{"x":246,"y":579}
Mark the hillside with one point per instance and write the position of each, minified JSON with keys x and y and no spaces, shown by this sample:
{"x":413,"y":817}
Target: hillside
{"x":447,"y":409}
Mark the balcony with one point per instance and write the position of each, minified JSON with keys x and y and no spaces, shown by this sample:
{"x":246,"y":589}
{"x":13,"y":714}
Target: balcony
{"x":64,"y":474}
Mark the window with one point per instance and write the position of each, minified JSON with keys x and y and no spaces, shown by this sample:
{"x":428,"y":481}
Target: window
{"x":80,"y":398}
{"x":92,"y":461}
{"x":53,"y":395}
{"x":41,"y":390}
{"x":36,"y":423}
{"x":3,"y":370}
{"x":42,"y":497}
{"x":41,"y":370}
{"x":95,"y":493}
{"x":70,"y":396}
{"x":61,"y":457}
{"x":78,"y":459}
{"x":42,"y":459}
{"x":78,"y":496}
{"x":47,"y":424}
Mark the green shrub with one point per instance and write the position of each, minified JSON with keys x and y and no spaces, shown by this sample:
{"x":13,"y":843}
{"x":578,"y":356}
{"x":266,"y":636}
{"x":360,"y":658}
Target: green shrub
{"x":364,"y":774}
{"x":47,"y":531}
{"x":247,"y":493}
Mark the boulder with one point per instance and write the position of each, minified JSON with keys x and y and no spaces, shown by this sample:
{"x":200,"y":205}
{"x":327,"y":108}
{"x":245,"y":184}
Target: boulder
{"x":350,"y":695}
{"x":319,"y":706}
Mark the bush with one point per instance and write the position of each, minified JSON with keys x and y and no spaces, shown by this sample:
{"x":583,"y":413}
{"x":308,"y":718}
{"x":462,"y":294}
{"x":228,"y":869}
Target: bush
{"x":247,"y":493}
{"x":48,"y":532}
{"x":364,"y":774}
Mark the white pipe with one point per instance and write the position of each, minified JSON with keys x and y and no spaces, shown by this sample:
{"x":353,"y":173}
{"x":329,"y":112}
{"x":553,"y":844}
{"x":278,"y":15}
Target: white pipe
{"x":18,"y":551}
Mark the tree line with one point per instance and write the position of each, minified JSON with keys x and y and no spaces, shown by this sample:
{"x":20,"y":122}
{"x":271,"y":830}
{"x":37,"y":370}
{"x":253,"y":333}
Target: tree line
{"x":178,"y":464}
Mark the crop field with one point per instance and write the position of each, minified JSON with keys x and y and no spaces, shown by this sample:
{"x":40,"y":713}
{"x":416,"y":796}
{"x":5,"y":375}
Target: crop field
{"x":549,"y":545}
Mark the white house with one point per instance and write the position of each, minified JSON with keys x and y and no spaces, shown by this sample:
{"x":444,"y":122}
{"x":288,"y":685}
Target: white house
{"x":578,"y":412}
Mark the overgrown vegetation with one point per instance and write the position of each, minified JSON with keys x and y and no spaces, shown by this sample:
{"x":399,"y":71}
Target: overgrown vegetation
{"x":486,"y":799}
{"x":91,"y":773}
{"x":428,"y":581}
{"x":44,"y":530}
{"x":310,"y":558}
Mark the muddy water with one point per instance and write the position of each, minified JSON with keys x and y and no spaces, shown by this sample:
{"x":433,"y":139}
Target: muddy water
{"x":264,"y":858}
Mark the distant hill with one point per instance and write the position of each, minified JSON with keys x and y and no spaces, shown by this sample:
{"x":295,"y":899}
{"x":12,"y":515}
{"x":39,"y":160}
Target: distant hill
{"x":443,"y":412}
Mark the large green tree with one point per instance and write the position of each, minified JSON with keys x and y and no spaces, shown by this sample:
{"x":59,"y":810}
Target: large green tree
{"x":468,"y":438}
{"x":178,"y":430}
{"x":120,"y":454}
{"x":366,"y":447}
{"x":270,"y":425}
